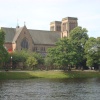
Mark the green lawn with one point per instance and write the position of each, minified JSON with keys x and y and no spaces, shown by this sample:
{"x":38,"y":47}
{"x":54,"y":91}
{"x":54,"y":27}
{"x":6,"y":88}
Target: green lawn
{"x":47,"y":74}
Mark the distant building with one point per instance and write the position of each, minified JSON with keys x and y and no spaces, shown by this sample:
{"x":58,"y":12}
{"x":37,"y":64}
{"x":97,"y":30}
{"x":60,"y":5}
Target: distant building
{"x":19,"y":38}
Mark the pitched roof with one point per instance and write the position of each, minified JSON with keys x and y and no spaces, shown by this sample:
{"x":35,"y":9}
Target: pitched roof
{"x":38,"y":36}
{"x":9,"y":33}
{"x":44,"y":37}
{"x":17,"y":33}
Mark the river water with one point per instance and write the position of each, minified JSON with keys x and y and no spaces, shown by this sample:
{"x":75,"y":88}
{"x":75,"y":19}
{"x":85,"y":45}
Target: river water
{"x":50,"y":89}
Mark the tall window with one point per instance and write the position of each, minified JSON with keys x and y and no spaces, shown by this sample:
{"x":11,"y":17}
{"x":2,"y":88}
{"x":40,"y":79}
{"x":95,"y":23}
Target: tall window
{"x":72,"y":26}
{"x":24,"y":44}
{"x":58,"y":28}
{"x":64,"y":26}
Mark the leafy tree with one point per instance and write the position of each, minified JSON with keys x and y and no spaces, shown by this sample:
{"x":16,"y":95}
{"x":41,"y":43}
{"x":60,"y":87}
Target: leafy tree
{"x":98,"y":52}
{"x":18,"y":57}
{"x":92,"y":49}
{"x":48,"y":62}
{"x":50,"y":58}
{"x":3,"y":52}
{"x":63,"y":55}
{"x":78,"y":37}
{"x":31,"y":62}
{"x":2,"y":37}
{"x":69,"y":51}
{"x":22,"y":57}
{"x":38,"y":57}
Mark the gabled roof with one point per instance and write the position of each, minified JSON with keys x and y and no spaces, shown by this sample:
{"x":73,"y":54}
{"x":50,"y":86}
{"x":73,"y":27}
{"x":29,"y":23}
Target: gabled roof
{"x":38,"y":36}
{"x":9,"y":33}
{"x":18,"y":31}
{"x":44,"y":37}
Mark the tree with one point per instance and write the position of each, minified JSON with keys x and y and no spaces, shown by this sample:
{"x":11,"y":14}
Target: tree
{"x":78,"y":37}
{"x":19,"y":56}
{"x":23,"y":55}
{"x":38,"y":57}
{"x":2,"y":37}
{"x":48,"y":62}
{"x":98,"y":52}
{"x":92,"y":50}
{"x":31,"y":62}
{"x":70,"y":51}
{"x":3,"y":52}
{"x":63,"y":55}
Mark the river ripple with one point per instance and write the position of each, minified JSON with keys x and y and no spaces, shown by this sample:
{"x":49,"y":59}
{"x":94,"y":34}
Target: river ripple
{"x":50,"y":89}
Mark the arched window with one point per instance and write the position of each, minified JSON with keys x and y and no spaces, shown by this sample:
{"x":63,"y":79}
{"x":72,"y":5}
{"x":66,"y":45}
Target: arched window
{"x":24,"y":43}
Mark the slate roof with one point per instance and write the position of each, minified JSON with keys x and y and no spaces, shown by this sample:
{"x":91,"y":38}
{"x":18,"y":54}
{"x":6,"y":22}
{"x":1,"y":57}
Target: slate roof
{"x":9,"y":33}
{"x":38,"y":36}
{"x":17,"y":33}
{"x":44,"y":37}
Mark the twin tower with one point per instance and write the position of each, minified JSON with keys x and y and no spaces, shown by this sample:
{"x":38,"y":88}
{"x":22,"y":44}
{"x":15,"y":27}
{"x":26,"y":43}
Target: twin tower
{"x":64,"y":26}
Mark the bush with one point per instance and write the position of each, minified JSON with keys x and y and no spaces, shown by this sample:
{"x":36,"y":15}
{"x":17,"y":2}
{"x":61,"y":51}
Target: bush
{"x":31,"y":62}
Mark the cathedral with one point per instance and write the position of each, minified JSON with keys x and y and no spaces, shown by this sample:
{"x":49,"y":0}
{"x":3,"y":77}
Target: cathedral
{"x":19,"y":38}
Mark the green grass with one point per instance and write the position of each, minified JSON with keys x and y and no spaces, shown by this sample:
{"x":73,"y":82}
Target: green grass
{"x":48,"y":74}
{"x":82,"y":74}
{"x":14,"y":75}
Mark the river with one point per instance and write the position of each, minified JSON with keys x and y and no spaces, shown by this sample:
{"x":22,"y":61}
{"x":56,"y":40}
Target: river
{"x":50,"y":89}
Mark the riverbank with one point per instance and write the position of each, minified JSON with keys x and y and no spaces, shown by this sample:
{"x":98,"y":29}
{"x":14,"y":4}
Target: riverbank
{"x":48,"y":74}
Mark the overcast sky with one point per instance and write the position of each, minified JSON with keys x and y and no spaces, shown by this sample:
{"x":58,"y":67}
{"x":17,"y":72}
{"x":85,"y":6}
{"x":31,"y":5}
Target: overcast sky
{"x":37,"y":14}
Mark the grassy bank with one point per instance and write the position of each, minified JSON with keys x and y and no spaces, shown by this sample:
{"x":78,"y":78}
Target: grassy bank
{"x":47,"y":74}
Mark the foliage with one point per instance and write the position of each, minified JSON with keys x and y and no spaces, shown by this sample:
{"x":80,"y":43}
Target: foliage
{"x":48,"y":61}
{"x":38,"y":57}
{"x":2,"y":37}
{"x":24,"y":55}
{"x":63,"y":54}
{"x":31,"y":62}
{"x":3,"y":52}
{"x":92,"y":49}
{"x":19,"y":56}
{"x":98,"y":51}
{"x":78,"y":37}
{"x":69,"y":51}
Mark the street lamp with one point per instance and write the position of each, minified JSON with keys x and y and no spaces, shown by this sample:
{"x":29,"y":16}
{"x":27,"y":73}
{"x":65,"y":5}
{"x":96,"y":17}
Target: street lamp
{"x":11,"y":62}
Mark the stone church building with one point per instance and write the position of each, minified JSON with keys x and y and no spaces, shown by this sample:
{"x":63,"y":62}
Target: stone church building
{"x":19,"y":38}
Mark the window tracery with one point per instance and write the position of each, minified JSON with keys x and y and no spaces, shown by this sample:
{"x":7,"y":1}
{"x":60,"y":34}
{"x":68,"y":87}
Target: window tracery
{"x":24,"y":43}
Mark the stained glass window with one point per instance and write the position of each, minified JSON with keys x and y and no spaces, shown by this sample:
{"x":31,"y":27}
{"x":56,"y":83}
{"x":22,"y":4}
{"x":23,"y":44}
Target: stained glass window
{"x":24,"y":43}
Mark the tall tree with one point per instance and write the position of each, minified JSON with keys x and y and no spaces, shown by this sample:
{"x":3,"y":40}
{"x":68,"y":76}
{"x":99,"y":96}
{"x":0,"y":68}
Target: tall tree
{"x":70,"y":51}
{"x":2,"y":37}
{"x":3,"y":51}
{"x":63,"y":55}
{"x":78,"y":37}
{"x":98,"y":52}
{"x":92,"y":49}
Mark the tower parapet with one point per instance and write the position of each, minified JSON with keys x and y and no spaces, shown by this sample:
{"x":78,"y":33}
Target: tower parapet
{"x":68,"y":24}
{"x":65,"y":26}
{"x":55,"y":26}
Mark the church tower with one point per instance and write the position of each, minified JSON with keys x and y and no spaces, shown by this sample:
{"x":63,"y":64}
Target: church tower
{"x":67,"y":25}
{"x":55,"y":26}
{"x":64,"y":26}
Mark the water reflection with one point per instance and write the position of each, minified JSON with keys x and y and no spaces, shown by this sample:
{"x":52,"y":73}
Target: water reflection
{"x":50,"y":89}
